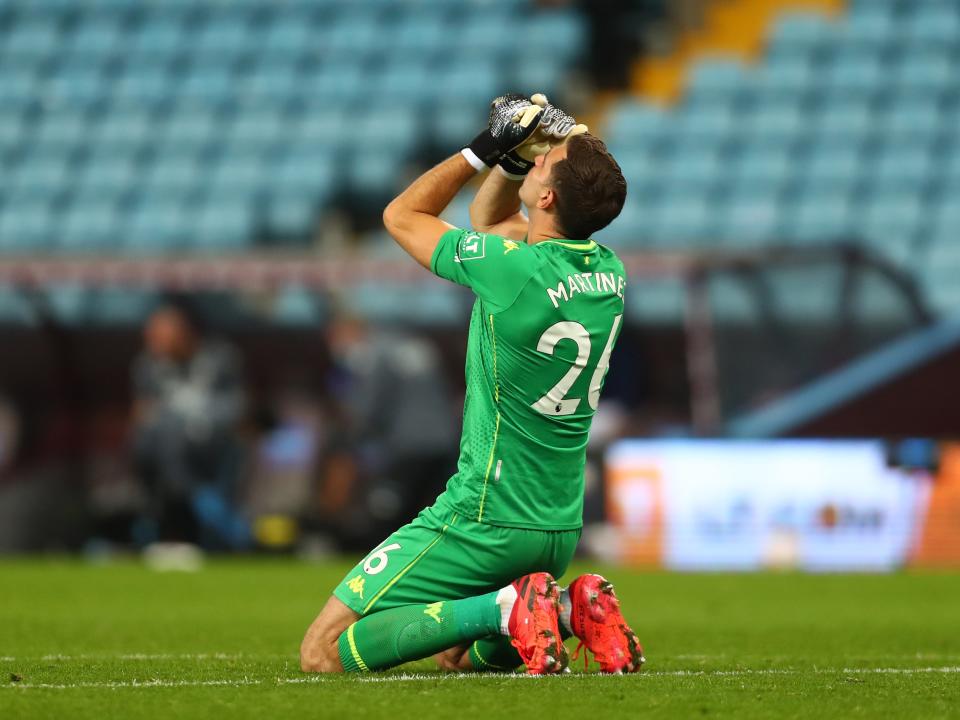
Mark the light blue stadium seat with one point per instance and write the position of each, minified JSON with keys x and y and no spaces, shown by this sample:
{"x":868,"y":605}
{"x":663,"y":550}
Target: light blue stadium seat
{"x":786,"y":74}
{"x":637,"y":122}
{"x":946,"y":221}
{"x":291,"y":215}
{"x":372,"y":173}
{"x":892,"y":215}
{"x":484,"y":35}
{"x":159,"y":37}
{"x":158,"y":226}
{"x":76,"y":85}
{"x":273,"y":80}
{"x":706,"y":121}
{"x":109,"y":172}
{"x":639,"y":168}
{"x":869,"y":24}
{"x":124,"y":128}
{"x":916,"y":119}
{"x":288,"y":35}
{"x":406,"y":80}
{"x":717,"y":76}
{"x":190,"y":126}
{"x":34,"y":39}
{"x":223,"y":224}
{"x":97,"y":36}
{"x":926,"y":69}
{"x":835,"y":166}
{"x":255,"y":127}
{"x":762,"y":165}
{"x":631,"y":227}
{"x":685,"y":217}
{"x":700,"y":168}
{"x":456,"y":124}
{"x":142,"y":83}
{"x":355,"y":33}
{"x":223,"y":38}
{"x":27,"y":226}
{"x":42,"y":175}
{"x":843,"y":119}
{"x":238,"y":175}
{"x":533,"y":73}
{"x":856,"y":71}
{"x":302,"y":173}
{"x":820,"y":215}
{"x":779,"y":121}
{"x":13,"y":128}
{"x":395,"y":131}
{"x":799,"y":32}
{"x":657,"y":301}
{"x":174,"y":173}
{"x":933,"y":23}
{"x":88,"y":226}
{"x":59,"y":130}
{"x":339,"y":82}
{"x":473,"y":81}
{"x":750,"y":216}
{"x":421,"y":35}
{"x":18,"y":89}
{"x":902,"y":166}
{"x":546,"y":32}
{"x":211,"y":84}
{"x":319,"y":127}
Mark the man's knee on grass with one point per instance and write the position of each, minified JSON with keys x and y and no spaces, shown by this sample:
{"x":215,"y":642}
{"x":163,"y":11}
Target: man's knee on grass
{"x":318,"y":651}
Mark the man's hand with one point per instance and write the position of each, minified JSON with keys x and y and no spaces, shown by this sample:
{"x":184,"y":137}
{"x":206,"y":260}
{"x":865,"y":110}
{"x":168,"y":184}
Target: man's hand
{"x":513,"y":119}
{"x":556,"y":127}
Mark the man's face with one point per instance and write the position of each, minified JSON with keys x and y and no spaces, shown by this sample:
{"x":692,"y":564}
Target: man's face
{"x":536,"y":184}
{"x":168,"y":335}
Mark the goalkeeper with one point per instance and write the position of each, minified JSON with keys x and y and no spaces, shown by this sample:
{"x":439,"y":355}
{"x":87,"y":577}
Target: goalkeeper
{"x":471,"y":579}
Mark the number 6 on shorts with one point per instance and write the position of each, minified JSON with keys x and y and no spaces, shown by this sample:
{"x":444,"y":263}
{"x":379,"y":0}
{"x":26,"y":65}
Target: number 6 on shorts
{"x":380,"y":555}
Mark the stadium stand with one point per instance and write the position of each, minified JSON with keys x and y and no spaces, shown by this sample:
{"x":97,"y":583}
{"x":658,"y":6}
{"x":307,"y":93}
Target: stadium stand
{"x":164,"y":126}
{"x":844,"y":130}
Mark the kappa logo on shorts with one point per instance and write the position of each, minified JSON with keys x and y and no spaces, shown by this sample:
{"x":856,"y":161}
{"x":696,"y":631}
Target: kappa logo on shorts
{"x":433,"y":611}
{"x":356,"y":584}
{"x":473,"y":246}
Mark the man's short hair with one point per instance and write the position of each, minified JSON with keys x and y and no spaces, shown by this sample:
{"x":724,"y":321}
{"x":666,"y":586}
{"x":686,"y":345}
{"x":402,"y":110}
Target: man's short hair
{"x":589,"y":186}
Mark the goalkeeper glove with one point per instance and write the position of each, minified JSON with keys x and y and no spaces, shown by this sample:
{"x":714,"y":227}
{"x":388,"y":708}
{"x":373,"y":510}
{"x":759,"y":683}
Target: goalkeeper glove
{"x":556,"y":127}
{"x":513,"y":119}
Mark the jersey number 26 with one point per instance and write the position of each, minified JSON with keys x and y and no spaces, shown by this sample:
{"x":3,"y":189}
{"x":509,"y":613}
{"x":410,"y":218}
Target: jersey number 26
{"x":555,"y":402}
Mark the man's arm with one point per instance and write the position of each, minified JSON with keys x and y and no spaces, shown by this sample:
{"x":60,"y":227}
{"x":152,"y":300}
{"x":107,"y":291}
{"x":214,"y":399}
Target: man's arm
{"x":412,"y":216}
{"x":496,"y":207}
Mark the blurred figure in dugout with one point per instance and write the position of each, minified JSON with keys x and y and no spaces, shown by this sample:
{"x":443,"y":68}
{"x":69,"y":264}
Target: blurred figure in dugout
{"x":189,"y":402}
{"x":400,"y":426}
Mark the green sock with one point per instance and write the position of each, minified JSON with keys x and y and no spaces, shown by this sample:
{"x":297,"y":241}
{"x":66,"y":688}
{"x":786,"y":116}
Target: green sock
{"x":413,"y":632}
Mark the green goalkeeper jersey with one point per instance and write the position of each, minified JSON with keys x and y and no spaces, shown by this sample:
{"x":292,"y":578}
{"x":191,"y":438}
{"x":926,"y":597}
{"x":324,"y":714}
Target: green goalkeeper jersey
{"x":541,"y":332}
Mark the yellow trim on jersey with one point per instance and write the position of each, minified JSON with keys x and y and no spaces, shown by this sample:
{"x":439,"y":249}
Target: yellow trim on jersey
{"x":496,"y":430}
{"x":403,"y":572}
{"x":353,"y":649}
{"x":575,"y":246}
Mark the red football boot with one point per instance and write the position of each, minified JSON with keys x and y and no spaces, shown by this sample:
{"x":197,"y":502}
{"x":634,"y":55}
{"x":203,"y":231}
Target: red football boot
{"x":597,"y":622}
{"x":533,"y":625}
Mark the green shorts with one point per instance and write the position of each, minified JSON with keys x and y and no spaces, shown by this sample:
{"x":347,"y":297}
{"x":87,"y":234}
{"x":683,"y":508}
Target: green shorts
{"x":442,"y":555}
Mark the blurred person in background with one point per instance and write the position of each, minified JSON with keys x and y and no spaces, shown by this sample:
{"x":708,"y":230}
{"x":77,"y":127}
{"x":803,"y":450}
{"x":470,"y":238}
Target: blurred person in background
{"x":189,"y":402}
{"x":391,"y":387}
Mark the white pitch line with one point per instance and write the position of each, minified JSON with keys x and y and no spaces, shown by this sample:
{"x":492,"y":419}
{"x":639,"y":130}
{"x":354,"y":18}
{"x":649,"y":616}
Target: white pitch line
{"x":420,"y":677}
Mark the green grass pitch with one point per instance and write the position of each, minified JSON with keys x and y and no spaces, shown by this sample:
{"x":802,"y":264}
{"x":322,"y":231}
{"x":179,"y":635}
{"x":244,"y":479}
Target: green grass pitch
{"x":117,"y":640}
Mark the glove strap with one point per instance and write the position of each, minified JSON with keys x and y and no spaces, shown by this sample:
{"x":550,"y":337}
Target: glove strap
{"x":483,"y":152}
{"x":514,"y":166}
